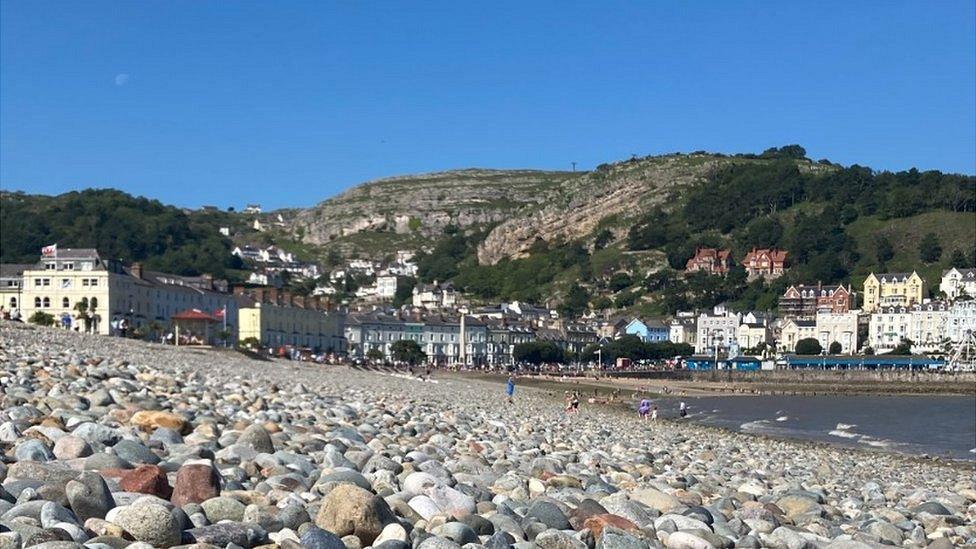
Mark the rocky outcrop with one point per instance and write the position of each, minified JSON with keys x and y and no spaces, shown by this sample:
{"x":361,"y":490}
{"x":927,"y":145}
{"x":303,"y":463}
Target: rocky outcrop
{"x":627,"y":189}
{"x":424,"y":204}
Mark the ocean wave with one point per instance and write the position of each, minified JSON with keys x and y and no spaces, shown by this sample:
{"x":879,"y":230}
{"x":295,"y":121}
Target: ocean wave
{"x":845,"y":426}
{"x":782,"y":418}
{"x":754,"y":426}
{"x":877,"y":443}
{"x":843,"y":434}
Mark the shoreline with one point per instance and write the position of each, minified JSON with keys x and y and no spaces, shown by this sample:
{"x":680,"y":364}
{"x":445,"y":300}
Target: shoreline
{"x":749,"y":388}
{"x":625,"y":407}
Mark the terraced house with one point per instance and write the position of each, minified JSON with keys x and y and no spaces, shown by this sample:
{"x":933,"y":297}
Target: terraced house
{"x":443,"y":339}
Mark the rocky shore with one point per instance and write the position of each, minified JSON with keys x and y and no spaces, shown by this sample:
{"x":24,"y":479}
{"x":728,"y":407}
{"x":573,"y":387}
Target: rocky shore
{"x":110,"y":443}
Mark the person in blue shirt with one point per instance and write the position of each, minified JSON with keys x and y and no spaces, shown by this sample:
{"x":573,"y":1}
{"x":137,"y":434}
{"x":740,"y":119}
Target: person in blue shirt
{"x":510,"y":388}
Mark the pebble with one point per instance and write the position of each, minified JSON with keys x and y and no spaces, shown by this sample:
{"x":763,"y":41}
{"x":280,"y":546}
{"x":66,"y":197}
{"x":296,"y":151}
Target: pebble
{"x":109,"y":441}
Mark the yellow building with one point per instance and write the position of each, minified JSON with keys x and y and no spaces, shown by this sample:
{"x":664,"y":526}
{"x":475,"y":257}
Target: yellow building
{"x":276,"y":318}
{"x":82,"y":291}
{"x":11,"y":286}
{"x":892,"y":290}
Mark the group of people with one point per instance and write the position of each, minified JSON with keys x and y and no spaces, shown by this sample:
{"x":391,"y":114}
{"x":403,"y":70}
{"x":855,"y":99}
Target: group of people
{"x":647,"y":410}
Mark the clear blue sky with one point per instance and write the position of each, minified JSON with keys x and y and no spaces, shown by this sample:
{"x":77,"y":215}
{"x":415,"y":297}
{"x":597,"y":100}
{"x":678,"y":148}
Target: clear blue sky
{"x":288,"y":103}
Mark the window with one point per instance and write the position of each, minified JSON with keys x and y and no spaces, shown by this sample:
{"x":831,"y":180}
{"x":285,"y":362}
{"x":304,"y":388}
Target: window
{"x":84,"y":282}
{"x":38,"y":282}
{"x":68,"y":266}
{"x":46,"y":281}
{"x":65,"y":282}
{"x":66,"y":303}
{"x":13,"y":302}
{"x":37,"y":302}
{"x":47,"y":302}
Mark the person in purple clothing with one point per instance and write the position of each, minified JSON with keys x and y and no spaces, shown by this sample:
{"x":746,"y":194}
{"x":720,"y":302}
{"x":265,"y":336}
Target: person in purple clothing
{"x":644,"y":408}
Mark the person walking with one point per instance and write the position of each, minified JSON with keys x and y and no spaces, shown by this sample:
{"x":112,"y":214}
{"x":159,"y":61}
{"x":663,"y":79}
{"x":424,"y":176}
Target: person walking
{"x":644,"y":408}
{"x":510,"y":388}
{"x":683,"y":409}
{"x":654,"y":414}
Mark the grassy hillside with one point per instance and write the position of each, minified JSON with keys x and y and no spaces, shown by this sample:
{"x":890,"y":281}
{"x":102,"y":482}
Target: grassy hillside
{"x":955,"y":230}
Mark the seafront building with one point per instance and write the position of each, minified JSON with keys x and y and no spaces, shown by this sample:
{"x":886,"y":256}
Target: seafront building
{"x":716,"y":331}
{"x":958,"y":282}
{"x":12,"y":285}
{"x":85,"y":292}
{"x":892,"y":290}
{"x":275,"y":318}
{"x":838,"y":328}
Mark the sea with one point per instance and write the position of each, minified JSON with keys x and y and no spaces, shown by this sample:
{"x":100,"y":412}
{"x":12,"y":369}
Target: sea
{"x":943,"y":426}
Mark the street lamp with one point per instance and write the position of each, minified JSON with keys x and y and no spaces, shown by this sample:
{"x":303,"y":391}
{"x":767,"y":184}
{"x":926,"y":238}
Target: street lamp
{"x":717,"y":338}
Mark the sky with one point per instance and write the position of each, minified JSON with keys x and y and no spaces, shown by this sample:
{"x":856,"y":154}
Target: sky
{"x":289,"y":103}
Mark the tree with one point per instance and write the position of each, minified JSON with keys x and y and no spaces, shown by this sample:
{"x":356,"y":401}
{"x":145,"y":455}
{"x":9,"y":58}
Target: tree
{"x":883,"y":249}
{"x":958,"y":259}
{"x":602,"y":238}
{"x":930,"y":249}
{"x":808,"y":346}
{"x":625,"y":299}
{"x":619,"y":281}
{"x":835,"y":348}
{"x":41,"y":318}
{"x":575,"y":302}
{"x":602,"y":303}
{"x":407,"y":350}
{"x":904,"y":348}
{"x":375,"y":354}
{"x":404,"y":290}
{"x":538,"y":352}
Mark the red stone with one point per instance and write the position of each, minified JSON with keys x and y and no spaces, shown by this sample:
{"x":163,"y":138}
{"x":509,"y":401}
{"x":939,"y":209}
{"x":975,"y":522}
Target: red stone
{"x":146,"y":479}
{"x":597,"y":523}
{"x":195,"y":483}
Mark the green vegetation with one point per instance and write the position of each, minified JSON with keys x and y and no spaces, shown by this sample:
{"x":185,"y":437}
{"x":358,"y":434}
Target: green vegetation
{"x":119,"y":225}
{"x":538,"y":352}
{"x":808,"y":346}
{"x":407,"y":350}
{"x":375,"y":355}
{"x":632,"y":347}
{"x":41,"y":318}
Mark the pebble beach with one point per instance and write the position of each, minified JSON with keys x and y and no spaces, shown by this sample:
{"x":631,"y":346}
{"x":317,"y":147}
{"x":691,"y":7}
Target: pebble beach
{"x":110,"y":443}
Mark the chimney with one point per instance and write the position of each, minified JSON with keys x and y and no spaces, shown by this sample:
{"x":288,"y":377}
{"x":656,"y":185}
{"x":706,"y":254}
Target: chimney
{"x":286,"y":298}
{"x":273,"y":296}
{"x":136,"y":270}
{"x":258,"y":295}
{"x":207,"y":280}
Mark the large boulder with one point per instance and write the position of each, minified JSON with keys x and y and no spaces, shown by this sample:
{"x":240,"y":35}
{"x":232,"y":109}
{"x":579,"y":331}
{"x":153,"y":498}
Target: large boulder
{"x":349,"y":509}
{"x":151,"y":523}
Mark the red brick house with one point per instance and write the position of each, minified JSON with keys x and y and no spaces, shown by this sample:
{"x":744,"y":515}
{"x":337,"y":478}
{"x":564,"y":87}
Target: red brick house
{"x":765,"y":263}
{"x":710,"y":260}
{"x":803,"y":301}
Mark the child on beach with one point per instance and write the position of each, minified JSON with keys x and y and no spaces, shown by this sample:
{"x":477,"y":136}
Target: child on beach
{"x":683,"y":409}
{"x":654,"y":413}
{"x":510,"y":388}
